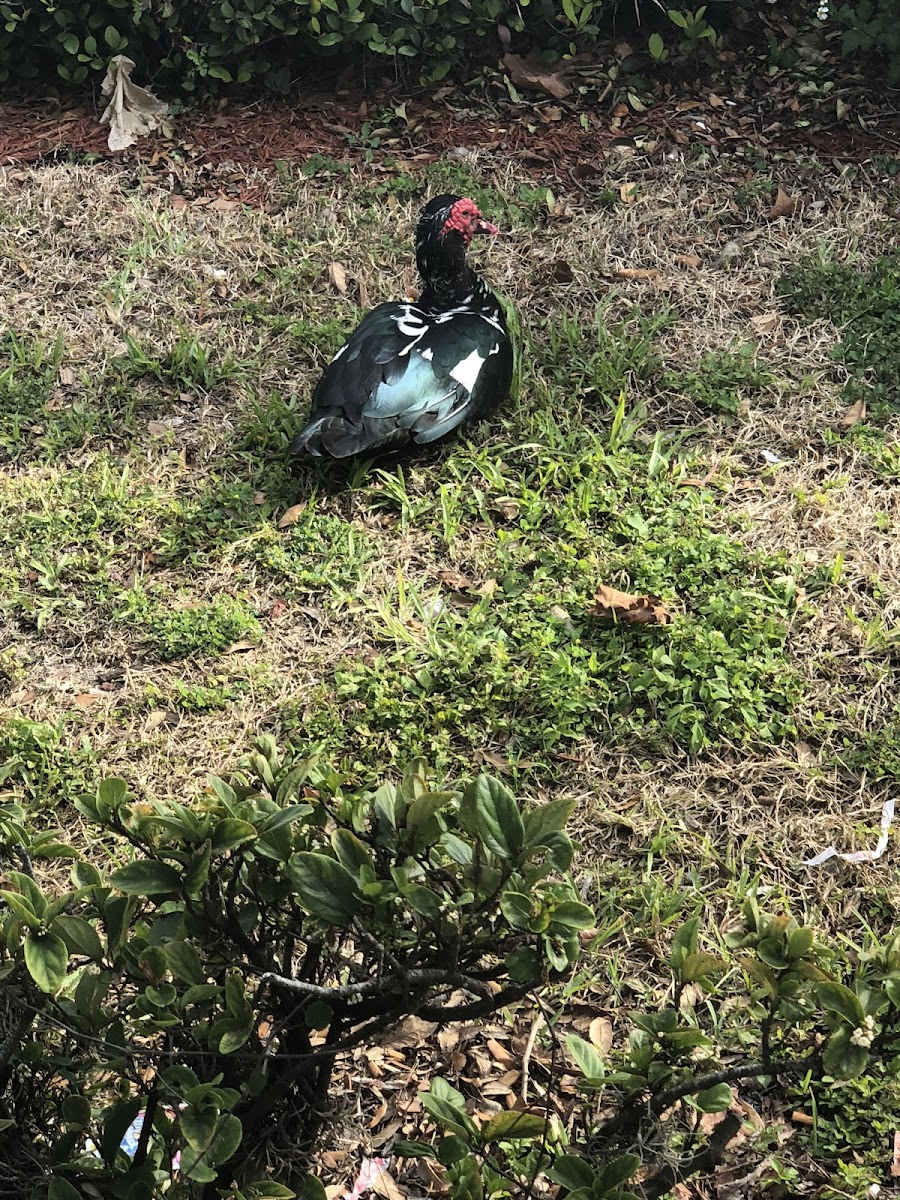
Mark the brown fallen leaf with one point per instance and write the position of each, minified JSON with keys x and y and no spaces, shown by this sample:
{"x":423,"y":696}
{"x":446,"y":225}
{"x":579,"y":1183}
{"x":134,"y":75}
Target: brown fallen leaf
{"x":765,"y":322}
{"x":156,"y":718}
{"x":534,"y":75}
{"x":221,"y":204}
{"x":802,"y":1118}
{"x":178,"y":201}
{"x":337,"y":276}
{"x":278,"y":609}
{"x":499,"y":1053}
{"x":600,"y":1033}
{"x":854,"y":414}
{"x":240,"y":647}
{"x":636,"y":273}
{"x":455,"y":579}
{"x":507,"y":507}
{"x":613,"y":605}
{"x":86,"y":699}
{"x":292,"y":516}
{"x":628,"y":193}
{"x":259,"y":497}
{"x":783,"y":206}
{"x":561,"y":272}
{"x":157,"y":428}
{"x":687,"y":260}
{"x":715,"y":101}
{"x":67,"y":376}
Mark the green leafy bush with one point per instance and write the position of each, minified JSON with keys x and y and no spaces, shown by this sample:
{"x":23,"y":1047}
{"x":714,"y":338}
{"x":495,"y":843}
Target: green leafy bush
{"x":872,"y":26}
{"x":196,"y":46}
{"x":187,"y":981}
{"x":769,"y":1002}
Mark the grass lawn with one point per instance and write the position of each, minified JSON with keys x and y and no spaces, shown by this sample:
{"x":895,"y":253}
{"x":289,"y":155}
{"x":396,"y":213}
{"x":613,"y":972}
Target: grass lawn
{"x":706,"y":413}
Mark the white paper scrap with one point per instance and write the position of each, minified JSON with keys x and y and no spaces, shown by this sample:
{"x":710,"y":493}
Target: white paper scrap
{"x":887,"y":816}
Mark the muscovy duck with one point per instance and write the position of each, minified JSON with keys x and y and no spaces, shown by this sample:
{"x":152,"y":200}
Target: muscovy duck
{"x":413,"y":372}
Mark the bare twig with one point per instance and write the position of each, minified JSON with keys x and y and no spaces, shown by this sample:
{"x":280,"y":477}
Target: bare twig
{"x":536,"y":1026}
{"x":381,"y":984}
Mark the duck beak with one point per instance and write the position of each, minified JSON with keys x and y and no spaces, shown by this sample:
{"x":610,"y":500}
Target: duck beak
{"x":483,"y":226}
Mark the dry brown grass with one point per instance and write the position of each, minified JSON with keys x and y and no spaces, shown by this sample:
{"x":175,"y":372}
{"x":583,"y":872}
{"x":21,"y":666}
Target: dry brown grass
{"x":93,"y":254}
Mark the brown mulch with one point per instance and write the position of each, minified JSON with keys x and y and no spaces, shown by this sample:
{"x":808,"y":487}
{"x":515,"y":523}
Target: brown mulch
{"x":263,"y":135}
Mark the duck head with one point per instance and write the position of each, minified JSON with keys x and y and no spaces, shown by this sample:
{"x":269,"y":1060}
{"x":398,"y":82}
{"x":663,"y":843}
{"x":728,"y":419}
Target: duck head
{"x":446,"y":227}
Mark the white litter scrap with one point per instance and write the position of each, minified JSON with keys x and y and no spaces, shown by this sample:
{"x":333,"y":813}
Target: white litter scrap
{"x":133,"y":111}
{"x":370,"y":1177}
{"x":857,"y":856}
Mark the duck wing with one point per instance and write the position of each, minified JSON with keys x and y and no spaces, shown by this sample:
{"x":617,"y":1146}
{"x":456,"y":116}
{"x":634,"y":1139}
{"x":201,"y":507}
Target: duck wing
{"x":406,"y":375}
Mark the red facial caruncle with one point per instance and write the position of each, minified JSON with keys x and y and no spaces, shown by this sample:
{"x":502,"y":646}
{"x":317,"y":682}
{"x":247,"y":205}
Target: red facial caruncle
{"x":466,"y":219}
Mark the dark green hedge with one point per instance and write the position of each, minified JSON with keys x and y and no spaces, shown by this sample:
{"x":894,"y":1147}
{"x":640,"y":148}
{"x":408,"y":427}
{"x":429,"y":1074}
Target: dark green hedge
{"x":200,"y":46}
{"x":192,"y":43}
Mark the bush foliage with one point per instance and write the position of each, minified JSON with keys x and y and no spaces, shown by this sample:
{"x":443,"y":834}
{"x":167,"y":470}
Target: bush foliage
{"x":201,"y":47}
{"x":261,"y":41}
{"x":170,"y":1024}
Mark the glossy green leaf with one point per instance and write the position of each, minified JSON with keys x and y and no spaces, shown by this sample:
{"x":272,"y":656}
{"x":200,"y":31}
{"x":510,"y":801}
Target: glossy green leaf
{"x":80,"y":936}
{"x":586,"y":1057}
{"x":490,"y":811}
{"x":325,"y":888}
{"x":512,"y":1126}
{"x":46,"y":958}
{"x":714,"y":1099}
{"x":146,"y":877}
{"x":839,"y":999}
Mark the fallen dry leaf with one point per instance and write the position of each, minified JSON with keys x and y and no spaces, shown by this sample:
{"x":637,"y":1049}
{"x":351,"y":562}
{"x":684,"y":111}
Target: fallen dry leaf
{"x":688,"y":260}
{"x":157,"y":429}
{"x":715,"y":101}
{"x":499,"y":1053}
{"x":67,"y":376}
{"x":561,"y":272}
{"x":613,"y":605}
{"x":628,"y":192}
{"x":86,"y":699}
{"x":337,"y":277}
{"x":802,"y":1118}
{"x":132,"y":111}
{"x":240,"y":647}
{"x":222,"y":204}
{"x":854,"y":414}
{"x":156,"y":718}
{"x":259,"y":497}
{"x":783,"y":206}
{"x":534,"y":75}
{"x":600,"y":1033}
{"x":507,"y":507}
{"x":765,"y":322}
{"x":278,"y":609}
{"x":636,"y":273}
{"x":292,"y":516}
{"x":455,"y":579}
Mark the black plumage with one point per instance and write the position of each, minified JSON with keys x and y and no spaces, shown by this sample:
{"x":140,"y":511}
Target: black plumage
{"x":412,"y":372}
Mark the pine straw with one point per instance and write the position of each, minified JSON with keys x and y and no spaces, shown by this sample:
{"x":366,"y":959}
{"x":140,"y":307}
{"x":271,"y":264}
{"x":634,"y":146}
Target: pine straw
{"x":92,"y":254}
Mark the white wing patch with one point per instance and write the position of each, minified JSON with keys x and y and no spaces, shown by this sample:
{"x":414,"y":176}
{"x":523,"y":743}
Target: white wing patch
{"x":466,"y":372}
{"x":340,"y":352}
{"x":427,"y":353}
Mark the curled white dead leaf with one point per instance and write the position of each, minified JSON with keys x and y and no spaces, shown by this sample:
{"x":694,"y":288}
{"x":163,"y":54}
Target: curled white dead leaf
{"x":132,"y":111}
